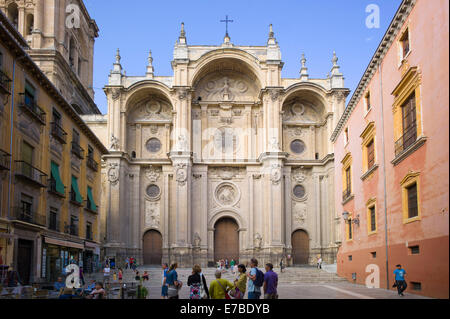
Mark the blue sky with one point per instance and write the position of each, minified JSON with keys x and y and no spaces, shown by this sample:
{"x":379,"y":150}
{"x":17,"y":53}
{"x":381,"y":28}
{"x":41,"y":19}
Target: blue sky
{"x":315,"y":27}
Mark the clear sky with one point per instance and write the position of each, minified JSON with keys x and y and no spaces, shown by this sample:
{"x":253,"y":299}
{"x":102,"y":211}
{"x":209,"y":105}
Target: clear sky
{"x":313,"y":27}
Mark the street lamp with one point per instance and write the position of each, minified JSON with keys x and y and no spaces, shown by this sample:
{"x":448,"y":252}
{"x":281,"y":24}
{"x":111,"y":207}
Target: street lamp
{"x":346,"y":215}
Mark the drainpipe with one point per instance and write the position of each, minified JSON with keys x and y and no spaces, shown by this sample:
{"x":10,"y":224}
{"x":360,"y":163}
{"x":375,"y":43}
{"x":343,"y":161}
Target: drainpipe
{"x":384,"y":176}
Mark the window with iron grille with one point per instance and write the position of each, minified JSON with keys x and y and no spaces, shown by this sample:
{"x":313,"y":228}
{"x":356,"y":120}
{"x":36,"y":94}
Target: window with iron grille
{"x":89,"y":230}
{"x":409,"y":121}
{"x":412,"y":201}
{"x":415,"y":250}
{"x":348,"y":179}
{"x":370,"y":154}
{"x":74,"y":225}
{"x":373,"y":219}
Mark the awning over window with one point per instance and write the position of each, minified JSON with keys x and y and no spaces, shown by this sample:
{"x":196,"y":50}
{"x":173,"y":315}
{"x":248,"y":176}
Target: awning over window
{"x":55,"y":174}
{"x":91,"y":200}
{"x":75,"y":189}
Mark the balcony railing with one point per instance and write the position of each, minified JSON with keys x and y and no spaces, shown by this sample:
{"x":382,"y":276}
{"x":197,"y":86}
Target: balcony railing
{"x":408,"y":138}
{"x":77,"y":150}
{"x":4,"y":160}
{"x":59,"y":133}
{"x":346,"y":194}
{"x":53,"y":224}
{"x":31,"y":174}
{"x":30,"y":107}
{"x":24,"y":215}
{"x":5,"y":83}
{"x":52,"y":188}
{"x":73,"y":199}
{"x":92,"y":164}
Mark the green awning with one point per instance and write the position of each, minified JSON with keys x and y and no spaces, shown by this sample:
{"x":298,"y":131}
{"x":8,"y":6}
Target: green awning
{"x":91,"y":199}
{"x":55,"y":175}
{"x":78,"y":197}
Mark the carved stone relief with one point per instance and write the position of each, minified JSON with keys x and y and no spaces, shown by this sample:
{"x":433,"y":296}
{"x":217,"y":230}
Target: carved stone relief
{"x":227,"y":194}
{"x":152,"y":214}
{"x":226,"y":86}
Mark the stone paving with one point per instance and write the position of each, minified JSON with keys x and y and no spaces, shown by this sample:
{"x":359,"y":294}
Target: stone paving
{"x":294,"y":283}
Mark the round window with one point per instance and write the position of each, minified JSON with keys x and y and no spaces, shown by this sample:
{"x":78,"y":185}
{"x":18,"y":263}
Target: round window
{"x":153,"y":191}
{"x":298,"y":147}
{"x":299,"y":191}
{"x":153,"y":145}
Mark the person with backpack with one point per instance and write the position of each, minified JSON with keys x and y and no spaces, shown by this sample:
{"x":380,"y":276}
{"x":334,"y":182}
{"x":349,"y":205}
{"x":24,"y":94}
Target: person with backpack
{"x":256,"y":280}
{"x":197,"y":284}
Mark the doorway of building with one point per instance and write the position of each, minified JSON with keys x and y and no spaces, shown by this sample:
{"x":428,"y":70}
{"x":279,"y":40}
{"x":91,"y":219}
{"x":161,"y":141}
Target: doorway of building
{"x":152,"y":248}
{"x":226,"y":239}
{"x":300,"y":247}
{"x":24,"y":260}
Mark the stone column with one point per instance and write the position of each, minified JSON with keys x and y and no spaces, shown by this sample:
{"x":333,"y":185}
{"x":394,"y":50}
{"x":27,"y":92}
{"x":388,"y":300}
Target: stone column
{"x":288,"y":207}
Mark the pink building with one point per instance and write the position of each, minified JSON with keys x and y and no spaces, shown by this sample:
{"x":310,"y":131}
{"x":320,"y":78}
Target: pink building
{"x":392,"y":156}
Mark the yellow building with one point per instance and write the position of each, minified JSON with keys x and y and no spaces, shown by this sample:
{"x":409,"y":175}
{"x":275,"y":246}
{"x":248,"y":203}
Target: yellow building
{"x":49,"y":171}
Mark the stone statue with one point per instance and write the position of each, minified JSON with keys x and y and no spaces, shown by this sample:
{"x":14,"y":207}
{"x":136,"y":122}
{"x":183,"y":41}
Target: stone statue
{"x":197,"y":240}
{"x":258,"y":241}
{"x":114,"y":143}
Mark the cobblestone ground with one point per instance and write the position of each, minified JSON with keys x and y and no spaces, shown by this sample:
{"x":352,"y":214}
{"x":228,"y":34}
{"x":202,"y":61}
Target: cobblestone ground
{"x":294,"y":283}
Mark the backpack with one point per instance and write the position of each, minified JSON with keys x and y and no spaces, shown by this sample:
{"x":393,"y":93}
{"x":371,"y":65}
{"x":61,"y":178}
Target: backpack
{"x":259,"y":280}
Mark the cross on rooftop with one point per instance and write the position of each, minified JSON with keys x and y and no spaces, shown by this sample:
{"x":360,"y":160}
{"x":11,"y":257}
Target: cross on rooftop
{"x":226,"y":24}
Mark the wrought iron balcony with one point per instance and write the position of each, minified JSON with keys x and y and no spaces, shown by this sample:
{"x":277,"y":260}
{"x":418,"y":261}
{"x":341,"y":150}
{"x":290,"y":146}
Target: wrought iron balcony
{"x":4,"y":161}
{"x":28,"y":216}
{"x":52,"y":188}
{"x":58,"y":133}
{"x":73,"y":199}
{"x":31,"y":174}
{"x":346,"y":194}
{"x":91,"y":163}
{"x":31,"y":108}
{"x":408,"y":138}
{"x":77,"y":150}
{"x":5,"y":83}
{"x":53,"y":223}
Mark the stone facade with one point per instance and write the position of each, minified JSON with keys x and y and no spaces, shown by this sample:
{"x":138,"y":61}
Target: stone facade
{"x":224,"y":137}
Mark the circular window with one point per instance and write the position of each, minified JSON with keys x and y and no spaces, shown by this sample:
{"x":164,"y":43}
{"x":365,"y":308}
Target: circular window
{"x":299,"y":191}
{"x":298,"y":147}
{"x":153,"y":145}
{"x":153,"y":191}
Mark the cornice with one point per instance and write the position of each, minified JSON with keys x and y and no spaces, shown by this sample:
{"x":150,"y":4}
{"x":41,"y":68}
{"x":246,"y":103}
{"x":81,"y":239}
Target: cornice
{"x":385,"y":44}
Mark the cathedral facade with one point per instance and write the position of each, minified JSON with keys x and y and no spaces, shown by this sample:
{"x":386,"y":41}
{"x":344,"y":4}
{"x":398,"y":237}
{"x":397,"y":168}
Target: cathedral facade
{"x":223,"y":159}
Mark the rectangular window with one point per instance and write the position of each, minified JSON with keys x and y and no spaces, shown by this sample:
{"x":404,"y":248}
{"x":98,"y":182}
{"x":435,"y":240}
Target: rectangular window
{"x":1,"y":60}
{"x":350,"y":257}
{"x":90,"y":152}
{"x":89,"y":230}
{"x":374,"y":254}
{"x":76,"y":137}
{"x":30,"y":94}
{"x":74,"y":225}
{"x":350,"y":229}
{"x":409,"y":121}
{"x":370,"y":154}
{"x":27,"y":158}
{"x":348,"y":180}
{"x":416,"y":286}
{"x":53,"y":219}
{"x":56,"y":117}
{"x":404,"y":40}
{"x":412,"y":201}
{"x":26,"y":206}
{"x":373,"y":219}
{"x":367,"y":98}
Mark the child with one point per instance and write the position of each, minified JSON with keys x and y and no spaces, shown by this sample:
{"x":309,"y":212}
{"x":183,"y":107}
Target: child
{"x":145,"y":276}
{"x":114,"y":277}
{"x":98,"y":292}
{"x":120,"y":275}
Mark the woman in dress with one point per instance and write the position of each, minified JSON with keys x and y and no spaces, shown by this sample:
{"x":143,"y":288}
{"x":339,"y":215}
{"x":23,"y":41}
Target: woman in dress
{"x":197,"y":284}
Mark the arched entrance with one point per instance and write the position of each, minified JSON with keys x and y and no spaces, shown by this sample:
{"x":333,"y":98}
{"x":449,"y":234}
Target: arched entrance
{"x":226,"y":239}
{"x":152,"y":248}
{"x":300,"y":247}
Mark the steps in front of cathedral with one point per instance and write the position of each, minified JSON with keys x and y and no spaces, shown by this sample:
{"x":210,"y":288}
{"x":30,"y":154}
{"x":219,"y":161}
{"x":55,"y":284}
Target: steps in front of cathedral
{"x":291,"y":275}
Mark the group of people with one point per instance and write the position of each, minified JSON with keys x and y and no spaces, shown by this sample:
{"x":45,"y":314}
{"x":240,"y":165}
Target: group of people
{"x":94,"y":290}
{"x":254,"y":282}
{"x":130,"y":263}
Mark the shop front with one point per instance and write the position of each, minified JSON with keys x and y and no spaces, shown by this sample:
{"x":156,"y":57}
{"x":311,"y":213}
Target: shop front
{"x":91,"y":258}
{"x":57,"y":254}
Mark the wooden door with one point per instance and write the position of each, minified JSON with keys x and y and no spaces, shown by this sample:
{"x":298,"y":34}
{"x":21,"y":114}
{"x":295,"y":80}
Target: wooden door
{"x":300,"y":247}
{"x":152,"y":248}
{"x":226,"y":240}
{"x":24,"y":260}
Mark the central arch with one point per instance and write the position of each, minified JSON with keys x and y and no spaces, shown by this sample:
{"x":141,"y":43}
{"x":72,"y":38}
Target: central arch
{"x":226,"y":239}
{"x":152,"y":248}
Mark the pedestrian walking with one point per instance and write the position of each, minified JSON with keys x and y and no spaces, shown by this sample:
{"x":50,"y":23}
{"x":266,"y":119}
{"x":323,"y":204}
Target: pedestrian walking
{"x":281,"y":265}
{"x":256,"y":280}
{"x":198,"y":288}
{"x":173,"y":282}
{"x":240,"y":284}
{"x":319,"y":263}
{"x":127,"y":263}
{"x":400,"y":281}
{"x":232,"y":264}
{"x":219,"y":288}
{"x":164,"y":286}
{"x":270,"y":283}
{"x":106,"y":273}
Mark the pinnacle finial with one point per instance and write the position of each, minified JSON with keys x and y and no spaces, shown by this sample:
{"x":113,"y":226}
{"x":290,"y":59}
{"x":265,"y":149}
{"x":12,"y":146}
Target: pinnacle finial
{"x":182,"y":32}
{"x":118,"y":57}
{"x":335,"y":59}
{"x":150,"y":58}
{"x":303,"y":60}
{"x":271,"y":33}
